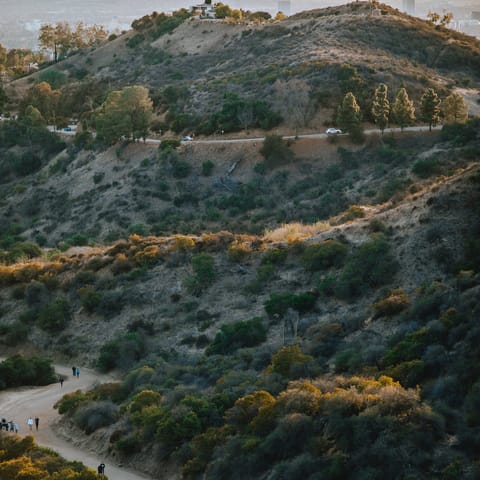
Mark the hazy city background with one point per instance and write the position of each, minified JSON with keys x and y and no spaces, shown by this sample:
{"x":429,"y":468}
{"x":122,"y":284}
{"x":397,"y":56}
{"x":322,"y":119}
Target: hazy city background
{"x":21,"y":19}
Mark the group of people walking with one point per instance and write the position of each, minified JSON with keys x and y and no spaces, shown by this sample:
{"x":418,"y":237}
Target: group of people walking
{"x":10,"y":426}
{"x":31,"y":421}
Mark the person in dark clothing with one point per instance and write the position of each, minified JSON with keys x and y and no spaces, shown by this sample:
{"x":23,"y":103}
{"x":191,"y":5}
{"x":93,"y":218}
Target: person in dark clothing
{"x":101,"y":469}
{"x":74,"y":371}
{"x":37,"y":421}
{"x":61,"y":381}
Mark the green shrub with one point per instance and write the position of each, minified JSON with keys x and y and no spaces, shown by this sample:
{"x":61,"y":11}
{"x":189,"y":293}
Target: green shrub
{"x":129,"y":445}
{"x":288,"y":358}
{"x":180,"y":168}
{"x":238,"y":335}
{"x":96,"y":415}
{"x":409,"y":373}
{"x":275,"y":256}
{"x":324,"y":255}
{"x":396,"y":301}
{"x":410,"y":347}
{"x":23,"y":250}
{"x":207,"y":168}
{"x":136,"y":40}
{"x":276,"y":152}
{"x":279,"y":303}
{"x":36,"y":293}
{"x":352,"y":213}
{"x":461,"y":133}
{"x":69,"y":403}
{"x":122,"y":353}
{"x":18,"y":371}
{"x":54,"y":317}
{"x":169,"y":144}
{"x":204,"y":274}
{"x":371,"y":265}
{"x":89,"y":297}
{"x":426,"y":167}
{"x":143,"y":399}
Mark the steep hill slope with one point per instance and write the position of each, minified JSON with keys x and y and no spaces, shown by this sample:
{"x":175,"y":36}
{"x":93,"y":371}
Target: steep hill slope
{"x":387,"y":289}
{"x":273,"y":316}
{"x":334,"y":50}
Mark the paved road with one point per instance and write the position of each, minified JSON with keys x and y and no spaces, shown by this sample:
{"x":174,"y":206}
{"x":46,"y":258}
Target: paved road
{"x":225,"y":139}
{"x":19,"y":404}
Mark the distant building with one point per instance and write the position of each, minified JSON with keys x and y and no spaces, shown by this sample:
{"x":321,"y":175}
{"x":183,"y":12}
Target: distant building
{"x":409,"y":6}
{"x":285,"y":7}
{"x":204,"y":10}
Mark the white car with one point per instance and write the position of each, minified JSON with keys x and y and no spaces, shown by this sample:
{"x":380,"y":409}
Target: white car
{"x":187,"y":138}
{"x":333,"y":131}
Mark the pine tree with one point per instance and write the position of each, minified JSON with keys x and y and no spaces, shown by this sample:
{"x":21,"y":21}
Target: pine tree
{"x":455,"y":110}
{"x":349,"y":117}
{"x":381,"y":107}
{"x":430,"y":107}
{"x":403,"y":109}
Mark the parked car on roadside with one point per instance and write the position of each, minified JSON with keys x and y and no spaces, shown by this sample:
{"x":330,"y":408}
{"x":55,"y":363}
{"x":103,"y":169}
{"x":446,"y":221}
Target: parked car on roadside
{"x":187,"y":138}
{"x":333,"y":131}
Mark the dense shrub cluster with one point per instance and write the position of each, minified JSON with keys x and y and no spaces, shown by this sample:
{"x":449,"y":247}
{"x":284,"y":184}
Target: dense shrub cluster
{"x":238,"y":335}
{"x":18,"y":371}
{"x":372,"y":264}
{"x":324,"y":255}
{"x":279,"y":303}
{"x":122,"y":353}
{"x":276,"y":152}
{"x":204,"y":274}
{"x":21,"y":458}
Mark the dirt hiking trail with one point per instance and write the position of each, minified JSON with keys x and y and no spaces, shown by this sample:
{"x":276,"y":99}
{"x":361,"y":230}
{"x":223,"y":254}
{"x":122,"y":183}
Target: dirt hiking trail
{"x":20,"y":404}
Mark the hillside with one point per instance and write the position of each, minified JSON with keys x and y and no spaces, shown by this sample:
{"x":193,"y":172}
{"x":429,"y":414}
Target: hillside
{"x":296,"y":309}
{"x":333,"y":50}
{"x":347,"y":291}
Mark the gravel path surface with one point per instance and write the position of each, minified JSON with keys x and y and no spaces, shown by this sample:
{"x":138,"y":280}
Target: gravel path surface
{"x":19,"y":404}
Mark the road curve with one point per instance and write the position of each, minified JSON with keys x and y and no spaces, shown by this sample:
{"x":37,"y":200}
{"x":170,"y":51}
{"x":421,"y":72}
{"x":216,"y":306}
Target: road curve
{"x":19,"y":404}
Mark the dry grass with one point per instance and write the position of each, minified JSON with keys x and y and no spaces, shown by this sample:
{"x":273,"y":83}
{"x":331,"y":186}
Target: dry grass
{"x":293,"y":232}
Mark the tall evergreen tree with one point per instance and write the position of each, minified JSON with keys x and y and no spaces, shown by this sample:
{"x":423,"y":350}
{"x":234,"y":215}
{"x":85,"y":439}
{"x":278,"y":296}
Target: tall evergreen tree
{"x":430,"y":107}
{"x":381,"y":107}
{"x":403,"y":109}
{"x":455,"y":109}
{"x":349,"y":117}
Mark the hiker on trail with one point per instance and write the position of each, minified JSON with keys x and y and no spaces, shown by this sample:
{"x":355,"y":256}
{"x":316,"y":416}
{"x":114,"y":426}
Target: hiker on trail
{"x":30,"y":423}
{"x":78,"y":372}
{"x":15,"y":427}
{"x":37,"y":421}
{"x":74,"y":371}
{"x":11,"y":425}
{"x":101,"y":469}
{"x":61,"y":382}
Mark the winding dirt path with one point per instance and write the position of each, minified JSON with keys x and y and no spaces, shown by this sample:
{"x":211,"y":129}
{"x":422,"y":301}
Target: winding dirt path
{"x":19,"y":404}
